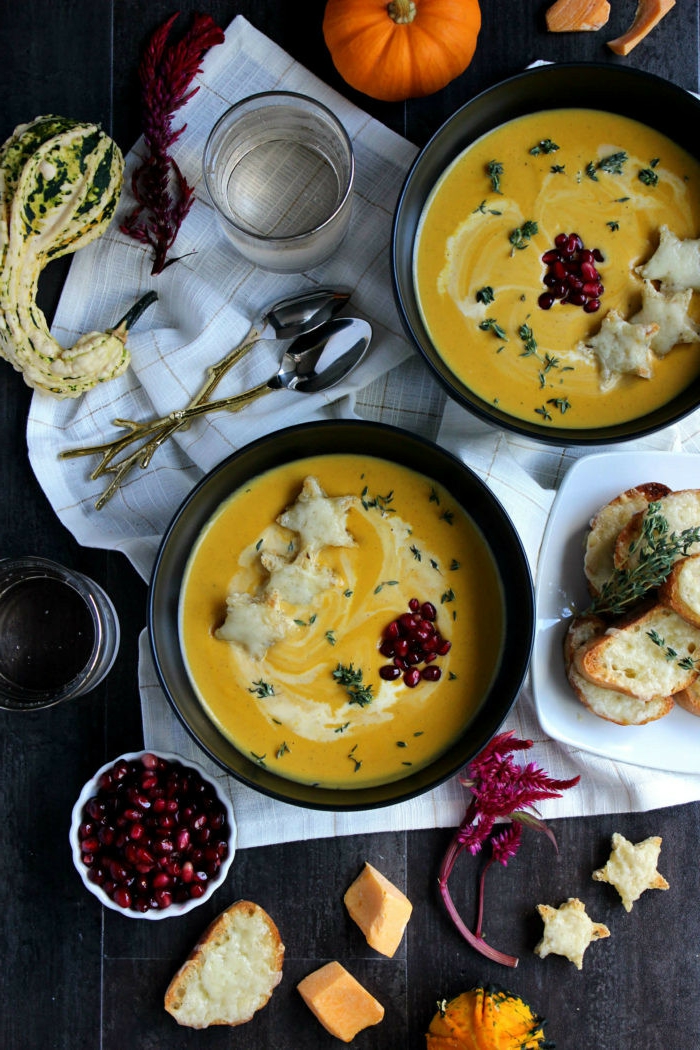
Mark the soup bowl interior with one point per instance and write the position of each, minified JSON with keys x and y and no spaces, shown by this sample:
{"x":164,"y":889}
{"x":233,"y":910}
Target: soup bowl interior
{"x":364,"y":439}
{"x":614,"y":89}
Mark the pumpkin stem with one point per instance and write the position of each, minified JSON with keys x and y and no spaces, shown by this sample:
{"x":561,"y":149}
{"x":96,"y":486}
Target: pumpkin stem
{"x":402,"y":11}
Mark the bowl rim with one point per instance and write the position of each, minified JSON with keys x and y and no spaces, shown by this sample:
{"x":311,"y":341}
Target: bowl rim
{"x":313,"y":438}
{"x":665,"y":415}
{"x":88,"y":790}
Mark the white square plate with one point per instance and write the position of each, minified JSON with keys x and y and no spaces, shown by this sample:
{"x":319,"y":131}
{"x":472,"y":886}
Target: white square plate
{"x":671,"y":743}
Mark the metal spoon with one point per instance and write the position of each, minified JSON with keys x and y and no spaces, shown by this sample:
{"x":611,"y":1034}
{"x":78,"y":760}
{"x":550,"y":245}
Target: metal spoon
{"x":314,"y":362}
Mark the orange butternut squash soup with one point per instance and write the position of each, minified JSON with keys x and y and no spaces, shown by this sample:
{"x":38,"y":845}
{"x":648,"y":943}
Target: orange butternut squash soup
{"x":556,"y":268}
{"x":341,"y":620}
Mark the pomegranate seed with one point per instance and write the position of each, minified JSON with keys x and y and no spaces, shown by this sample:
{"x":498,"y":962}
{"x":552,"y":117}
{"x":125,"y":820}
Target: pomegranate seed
{"x":122,"y":897}
{"x":401,"y":663}
{"x":591,"y":306}
{"x":412,"y":677}
{"x":598,"y":255}
{"x":551,"y":256}
{"x":149,"y":761}
{"x":414,"y":605}
{"x":545,"y":301}
{"x":389,"y":672}
{"x":577,"y":298}
{"x":197,"y":889}
{"x":401,"y":647}
{"x":561,"y":239}
{"x":431,"y":673}
{"x":573,"y":243}
{"x":444,"y":647}
{"x":589,"y":272}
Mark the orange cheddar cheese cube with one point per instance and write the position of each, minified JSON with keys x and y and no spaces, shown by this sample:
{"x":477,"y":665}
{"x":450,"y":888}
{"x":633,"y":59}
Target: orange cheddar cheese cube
{"x":342,"y":1005}
{"x":379,"y":909}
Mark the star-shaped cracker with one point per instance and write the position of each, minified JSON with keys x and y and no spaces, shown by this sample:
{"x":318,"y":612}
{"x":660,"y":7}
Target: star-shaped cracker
{"x":255,"y":623}
{"x":631,"y":868}
{"x":568,"y":931}
{"x":675,"y":263}
{"x":320,"y":520}
{"x":670,"y":313}
{"x":299,"y":581}
{"x":622,"y":348}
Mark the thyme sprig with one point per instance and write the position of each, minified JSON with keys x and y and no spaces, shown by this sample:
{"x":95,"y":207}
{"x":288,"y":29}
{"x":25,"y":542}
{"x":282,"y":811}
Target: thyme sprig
{"x":657,"y":549}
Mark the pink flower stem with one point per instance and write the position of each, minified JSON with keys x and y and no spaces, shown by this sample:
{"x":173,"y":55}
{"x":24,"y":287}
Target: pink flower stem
{"x":474,"y":939}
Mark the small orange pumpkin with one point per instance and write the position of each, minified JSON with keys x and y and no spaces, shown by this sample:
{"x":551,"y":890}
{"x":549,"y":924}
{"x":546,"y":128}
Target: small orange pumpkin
{"x":401,"y":49}
{"x":486,"y":1019}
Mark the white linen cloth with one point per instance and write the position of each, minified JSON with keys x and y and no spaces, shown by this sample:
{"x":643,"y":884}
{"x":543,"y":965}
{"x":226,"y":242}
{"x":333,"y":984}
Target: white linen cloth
{"x":207,"y":301}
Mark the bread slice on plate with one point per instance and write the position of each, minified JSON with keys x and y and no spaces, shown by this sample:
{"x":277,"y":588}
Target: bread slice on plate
{"x":644,"y":655}
{"x":689,"y":699}
{"x":606,"y":525}
{"x":231,"y":972}
{"x":681,"y":510}
{"x":609,"y":704}
{"x":680,"y":590}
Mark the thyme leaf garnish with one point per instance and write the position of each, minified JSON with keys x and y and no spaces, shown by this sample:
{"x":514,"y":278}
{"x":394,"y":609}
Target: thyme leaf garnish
{"x":262,"y":689}
{"x":490,"y":324}
{"x":495,"y":170}
{"x":648,"y":176}
{"x":380,"y":503}
{"x":485,"y":295}
{"x":351,"y":679}
{"x":520,"y":236}
{"x":613,"y":163}
{"x":544,"y":146}
{"x":283,"y":749}
{"x":657,"y":549}
{"x":486,"y":211}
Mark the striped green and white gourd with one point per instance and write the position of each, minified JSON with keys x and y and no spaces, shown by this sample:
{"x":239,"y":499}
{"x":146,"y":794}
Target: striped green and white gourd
{"x":60,"y":181}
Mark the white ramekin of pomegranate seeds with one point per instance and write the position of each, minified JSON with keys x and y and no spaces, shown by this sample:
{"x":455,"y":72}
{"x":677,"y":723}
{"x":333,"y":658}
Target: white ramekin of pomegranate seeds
{"x":152,"y":836}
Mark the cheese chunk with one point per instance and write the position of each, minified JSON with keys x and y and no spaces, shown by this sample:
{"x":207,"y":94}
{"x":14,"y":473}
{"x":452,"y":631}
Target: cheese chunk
{"x":379,"y":909}
{"x":342,"y":1005}
{"x":670,"y":313}
{"x":622,"y":348}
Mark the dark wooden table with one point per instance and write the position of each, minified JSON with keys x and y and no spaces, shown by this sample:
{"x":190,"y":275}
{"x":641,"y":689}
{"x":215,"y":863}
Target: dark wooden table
{"x":76,"y":977}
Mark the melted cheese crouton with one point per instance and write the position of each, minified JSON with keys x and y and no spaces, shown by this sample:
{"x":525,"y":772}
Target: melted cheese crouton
{"x":254,"y":622}
{"x":622,"y":348}
{"x":675,"y":263}
{"x":670,"y":313}
{"x":631,"y":868}
{"x":297,"y":582}
{"x":320,"y":520}
{"x":568,"y":931}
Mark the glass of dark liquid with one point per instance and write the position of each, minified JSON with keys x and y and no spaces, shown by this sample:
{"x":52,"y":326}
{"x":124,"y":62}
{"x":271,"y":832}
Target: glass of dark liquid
{"x":59,"y":633}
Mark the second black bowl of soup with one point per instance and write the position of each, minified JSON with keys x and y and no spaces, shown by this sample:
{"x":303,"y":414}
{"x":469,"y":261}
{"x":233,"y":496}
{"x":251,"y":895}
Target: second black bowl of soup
{"x":586,"y":342}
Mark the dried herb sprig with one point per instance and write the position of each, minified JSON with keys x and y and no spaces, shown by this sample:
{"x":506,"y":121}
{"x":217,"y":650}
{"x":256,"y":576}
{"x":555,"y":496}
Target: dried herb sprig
{"x":163,"y":195}
{"x":656,"y":550}
{"x":501,"y":790}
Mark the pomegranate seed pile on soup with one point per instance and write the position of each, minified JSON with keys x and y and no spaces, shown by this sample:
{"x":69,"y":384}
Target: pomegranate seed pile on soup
{"x":341,"y":620}
{"x":556,"y":268}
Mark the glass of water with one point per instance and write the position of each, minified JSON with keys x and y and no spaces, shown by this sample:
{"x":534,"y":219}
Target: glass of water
{"x":279,"y":169}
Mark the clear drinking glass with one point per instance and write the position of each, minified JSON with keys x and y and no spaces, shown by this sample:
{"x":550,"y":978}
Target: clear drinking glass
{"x":59,"y":633}
{"x":279,"y":169}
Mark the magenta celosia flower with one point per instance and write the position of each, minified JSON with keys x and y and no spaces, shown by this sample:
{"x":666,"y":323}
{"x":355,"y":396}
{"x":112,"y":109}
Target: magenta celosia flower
{"x":502,"y":791}
{"x":163,"y":195}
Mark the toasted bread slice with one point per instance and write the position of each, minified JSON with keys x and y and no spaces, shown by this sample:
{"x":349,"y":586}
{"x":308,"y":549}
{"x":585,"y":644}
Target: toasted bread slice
{"x":606,"y":525}
{"x":609,"y":704}
{"x":689,"y":699}
{"x":232,"y":971}
{"x":641,"y":655}
{"x":681,"y":589}
{"x":681,"y":509}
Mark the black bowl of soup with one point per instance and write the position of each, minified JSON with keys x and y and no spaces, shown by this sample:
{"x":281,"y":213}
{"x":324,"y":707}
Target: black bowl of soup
{"x":539,"y":254}
{"x":341,"y":615}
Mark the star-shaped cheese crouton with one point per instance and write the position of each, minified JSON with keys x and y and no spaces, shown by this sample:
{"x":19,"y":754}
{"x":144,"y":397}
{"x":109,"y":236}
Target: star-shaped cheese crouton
{"x":568,"y":931}
{"x":631,"y":868}
{"x":622,"y":348}
{"x":254,"y":623}
{"x":319,"y":519}
{"x":297,"y":582}
{"x":675,"y":263}
{"x":670,"y":313}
